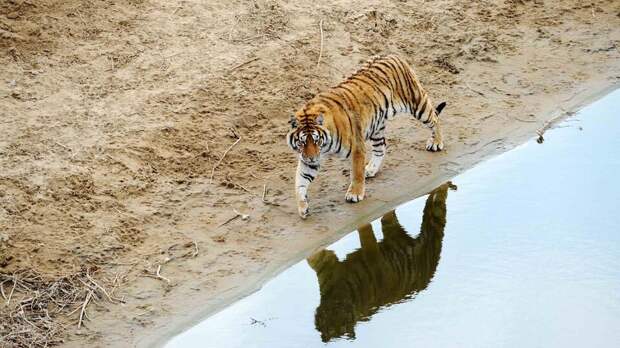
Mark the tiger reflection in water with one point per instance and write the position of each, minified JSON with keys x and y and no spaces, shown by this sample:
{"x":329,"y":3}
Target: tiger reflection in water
{"x":380,"y":273}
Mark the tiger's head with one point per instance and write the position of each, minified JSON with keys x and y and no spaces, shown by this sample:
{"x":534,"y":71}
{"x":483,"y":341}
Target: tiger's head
{"x":308,"y":136}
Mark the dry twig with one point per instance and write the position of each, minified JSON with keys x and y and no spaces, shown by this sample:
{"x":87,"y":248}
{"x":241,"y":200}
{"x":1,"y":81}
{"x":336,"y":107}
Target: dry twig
{"x":160,"y":276}
{"x":195,"y":249}
{"x":81,"y":18}
{"x":83,"y":311}
{"x":2,"y":290}
{"x":321,"y":49}
{"x":229,"y":220}
{"x":157,"y":275}
{"x":244,"y":217}
{"x":264,"y":200}
{"x":222,"y":158}
{"x":8,"y":301}
{"x":244,"y":189}
{"x":63,"y":146}
{"x":237,"y":215}
{"x":523,"y":120}
{"x":243,"y":64}
{"x":192,"y":253}
{"x":473,"y":90}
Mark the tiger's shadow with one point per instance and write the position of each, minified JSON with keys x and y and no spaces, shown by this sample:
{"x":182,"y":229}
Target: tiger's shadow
{"x":378,"y":274}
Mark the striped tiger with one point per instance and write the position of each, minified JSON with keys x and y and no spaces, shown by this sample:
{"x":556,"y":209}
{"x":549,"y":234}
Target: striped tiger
{"x":341,"y":119}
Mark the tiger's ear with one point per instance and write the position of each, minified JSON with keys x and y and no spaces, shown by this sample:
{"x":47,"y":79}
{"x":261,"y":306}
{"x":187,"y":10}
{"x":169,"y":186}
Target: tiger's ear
{"x":319,"y":120}
{"x":293,"y":121}
{"x":440,"y":107}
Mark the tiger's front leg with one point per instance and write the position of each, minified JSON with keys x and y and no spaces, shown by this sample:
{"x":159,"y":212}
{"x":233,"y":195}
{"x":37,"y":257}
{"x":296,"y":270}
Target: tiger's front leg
{"x":305,"y":175}
{"x":356,"y":190}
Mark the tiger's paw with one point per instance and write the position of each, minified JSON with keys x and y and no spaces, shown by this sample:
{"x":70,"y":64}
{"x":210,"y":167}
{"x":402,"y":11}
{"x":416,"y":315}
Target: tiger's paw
{"x":433,"y":145}
{"x":370,"y":171}
{"x":304,"y":211}
{"x":353,"y":197}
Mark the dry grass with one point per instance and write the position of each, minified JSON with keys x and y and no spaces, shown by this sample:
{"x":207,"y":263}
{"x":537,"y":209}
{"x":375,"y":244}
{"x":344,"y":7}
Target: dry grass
{"x":35,"y":311}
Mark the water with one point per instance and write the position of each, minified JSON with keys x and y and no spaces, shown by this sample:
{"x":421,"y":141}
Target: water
{"x":524,"y":253}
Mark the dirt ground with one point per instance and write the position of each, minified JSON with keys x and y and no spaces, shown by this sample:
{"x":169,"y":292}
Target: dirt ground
{"x":116,"y":198}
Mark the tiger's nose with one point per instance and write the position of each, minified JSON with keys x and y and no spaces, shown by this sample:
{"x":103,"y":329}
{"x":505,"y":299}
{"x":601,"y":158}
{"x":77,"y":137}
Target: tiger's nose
{"x":309,"y":159}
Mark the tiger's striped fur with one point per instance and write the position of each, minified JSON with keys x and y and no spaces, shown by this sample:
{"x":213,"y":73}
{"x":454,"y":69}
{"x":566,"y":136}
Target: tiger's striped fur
{"x":341,"y":119}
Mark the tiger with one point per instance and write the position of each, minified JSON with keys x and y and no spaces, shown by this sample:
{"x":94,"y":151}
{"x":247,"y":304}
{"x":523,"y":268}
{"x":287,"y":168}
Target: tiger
{"x":379,"y":273}
{"x":341,"y":119}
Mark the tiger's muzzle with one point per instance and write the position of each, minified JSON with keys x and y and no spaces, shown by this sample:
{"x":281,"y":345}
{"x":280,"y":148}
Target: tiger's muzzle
{"x":310,"y":153}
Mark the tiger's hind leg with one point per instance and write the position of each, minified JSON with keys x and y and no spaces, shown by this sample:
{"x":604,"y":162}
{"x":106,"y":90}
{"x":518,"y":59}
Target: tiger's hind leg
{"x":435,"y":142}
{"x":378,"y":152}
{"x":430,"y":117}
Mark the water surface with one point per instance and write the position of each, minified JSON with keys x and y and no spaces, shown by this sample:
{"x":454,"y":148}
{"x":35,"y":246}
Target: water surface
{"x":524,"y":253}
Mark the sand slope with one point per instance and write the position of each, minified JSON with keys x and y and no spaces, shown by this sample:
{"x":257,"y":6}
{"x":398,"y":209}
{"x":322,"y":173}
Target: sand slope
{"x":114,"y":114}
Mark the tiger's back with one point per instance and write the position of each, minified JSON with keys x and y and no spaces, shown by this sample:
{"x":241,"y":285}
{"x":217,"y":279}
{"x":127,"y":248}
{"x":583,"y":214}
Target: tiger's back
{"x":381,"y":88}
